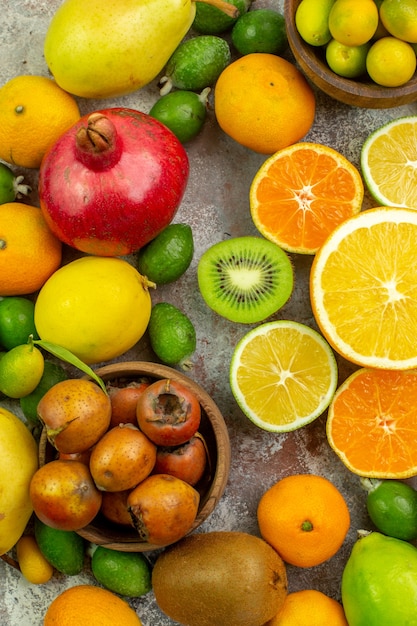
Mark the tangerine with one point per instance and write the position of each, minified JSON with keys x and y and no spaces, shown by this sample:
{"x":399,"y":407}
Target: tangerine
{"x":311,"y":607}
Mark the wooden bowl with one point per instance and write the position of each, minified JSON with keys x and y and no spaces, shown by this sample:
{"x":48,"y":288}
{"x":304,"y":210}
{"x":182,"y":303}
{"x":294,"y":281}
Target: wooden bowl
{"x":213,"y":428}
{"x":361,"y":93}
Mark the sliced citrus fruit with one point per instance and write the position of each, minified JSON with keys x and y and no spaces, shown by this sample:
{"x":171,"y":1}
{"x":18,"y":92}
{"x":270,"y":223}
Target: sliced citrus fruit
{"x":389,"y":163}
{"x":301,"y":193}
{"x":372,"y":423}
{"x":363,"y":288}
{"x":283,"y":375}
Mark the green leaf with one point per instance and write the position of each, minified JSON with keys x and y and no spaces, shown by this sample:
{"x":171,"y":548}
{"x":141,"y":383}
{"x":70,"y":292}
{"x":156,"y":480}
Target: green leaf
{"x":69,"y":357}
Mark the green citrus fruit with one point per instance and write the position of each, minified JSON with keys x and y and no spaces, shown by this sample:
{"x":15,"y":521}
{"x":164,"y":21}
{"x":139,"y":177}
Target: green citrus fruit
{"x":183,"y":112}
{"x":52,"y":374}
{"x":168,"y":256}
{"x":172,"y":334}
{"x":209,"y":20}
{"x":125,"y":573}
{"x":392,"y":506}
{"x":64,"y":549}
{"x":16,"y":321}
{"x":11,"y":186}
{"x":21,"y":370}
{"x":347,"y":61}
{"x":262,"y":30}
{"x":312,"y":21}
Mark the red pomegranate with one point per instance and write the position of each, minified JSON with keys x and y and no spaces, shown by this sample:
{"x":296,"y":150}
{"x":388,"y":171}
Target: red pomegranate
{"x":112,"y":182}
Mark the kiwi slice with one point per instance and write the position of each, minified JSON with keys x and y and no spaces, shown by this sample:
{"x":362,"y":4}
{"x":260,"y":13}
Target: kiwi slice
{"x":245,"y":279}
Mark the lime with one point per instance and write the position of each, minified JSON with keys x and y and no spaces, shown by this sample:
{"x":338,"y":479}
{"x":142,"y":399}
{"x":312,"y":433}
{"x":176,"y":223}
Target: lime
{"x":64,"y":549}
{"x":196,"y":63}
{"x":172,"y":335}
{"x":11,"y":186}
{"x":183,"y":112}
{"x":392,"y":506}
{"x":16,"y":321}
{"x":168,"y":256}
{"x":21,"y":370}
{"x":347,"y":61}
{"x":262,"y":30}
{"x":209,"y":20}
{"x":125,"y":573}
{"x":52,"y":374}
{"x":312,"y":21}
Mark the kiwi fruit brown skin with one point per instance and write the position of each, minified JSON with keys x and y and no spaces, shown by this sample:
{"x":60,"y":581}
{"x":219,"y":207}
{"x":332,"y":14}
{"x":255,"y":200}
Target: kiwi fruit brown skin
{"x":220,"y":578}
{"x":245,"y":279}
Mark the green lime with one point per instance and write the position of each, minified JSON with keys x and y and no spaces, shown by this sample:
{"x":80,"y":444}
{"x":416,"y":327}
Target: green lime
{"x":64,"y":549}
{"x":196,"y":63}
{"x":347,"y":61}
{"x":164,"y":259}
{"x":209,"y":20}
{"x":262,"y":30}
{"x":52,"y":373}
{"x":16,"y":321}
{"x":11,"y":186}
{"x":125,"y":573}
{"x":183,"y":112}
{"x":21,"y":370}
{"x":172,"y":335}
{"x":392,"y":506}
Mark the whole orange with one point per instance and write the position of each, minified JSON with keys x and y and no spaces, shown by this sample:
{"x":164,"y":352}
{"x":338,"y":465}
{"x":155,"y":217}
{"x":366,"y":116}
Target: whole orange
{"x":311,"y":607}
{"x":76,"y":414}
{"x":264,"y":102}
{"x":29,"y":252}
{"x":88,"y":605}
{"x":305,"y":518}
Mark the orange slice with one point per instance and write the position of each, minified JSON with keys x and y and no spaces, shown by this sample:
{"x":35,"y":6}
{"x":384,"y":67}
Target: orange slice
{"x":363,"y":288}
{"x":372,"y":423}
{"x":301,"y":193}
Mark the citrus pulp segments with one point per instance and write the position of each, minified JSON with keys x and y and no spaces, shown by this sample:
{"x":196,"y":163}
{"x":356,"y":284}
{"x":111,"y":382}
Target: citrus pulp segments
{"x":389,"y":163}
{"x":301,"y":193}
{"x":283,"y":375}
{"x":372,"y":423}
{"x":363,"y":288}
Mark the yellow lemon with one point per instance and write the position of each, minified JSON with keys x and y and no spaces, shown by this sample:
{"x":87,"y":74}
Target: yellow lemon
{"x":21,"y":370}
{"x":400,"y":18}
{"x":391,"y":62}
{"x":353,"y":22}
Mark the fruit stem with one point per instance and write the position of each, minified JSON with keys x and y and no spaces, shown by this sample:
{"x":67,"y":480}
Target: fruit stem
{"x":370,"y":484}
{"x":19,"y":188}
{"x":224,"y":7}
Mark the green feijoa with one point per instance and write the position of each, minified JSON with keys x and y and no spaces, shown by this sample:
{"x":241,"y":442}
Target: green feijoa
{"x":392,"y":506}
{"x":183,"y":112}
{"x":172,"y":335}
{"x":52,"y":373}
{"x":64,"y":549}
{"x":17,"y":321}
{"x":125,"y":573}
{"x":209,"y":20}
{"x":262,"y":30}
{"x":11,"y":186}
{"x":196,"y":63}
{"x":164,"y":259}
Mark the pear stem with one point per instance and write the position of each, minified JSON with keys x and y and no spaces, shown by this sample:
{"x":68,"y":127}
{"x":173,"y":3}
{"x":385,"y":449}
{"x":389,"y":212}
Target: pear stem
{"x":225,"y":7}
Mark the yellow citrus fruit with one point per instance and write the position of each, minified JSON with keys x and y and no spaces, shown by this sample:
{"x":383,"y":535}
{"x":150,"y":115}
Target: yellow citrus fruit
{"x":353,"y":22}
{"x":21,"y":370}
{"x":87,"y":605}
{"x":311,"y":607}
{"x":283,"y":375}
{"x":96,"y":307}
{"x":400,"y":18}
{"x":33,"y":565}
{"x":389,"y":163}
{"x":305,"y":518}
{"x":363,"y":288}
{"x":391,"y":62}
{"x":29,"y":252}
{"x":34,"y":112}
{"x":264,"y":102}
{"x":301,"y":193}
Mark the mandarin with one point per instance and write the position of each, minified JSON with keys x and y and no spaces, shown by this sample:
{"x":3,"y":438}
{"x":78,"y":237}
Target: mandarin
{"x":29,"y":252}
{"x":311,"y":607}
{"x":264,"y":102}
{"x":305,"y":518}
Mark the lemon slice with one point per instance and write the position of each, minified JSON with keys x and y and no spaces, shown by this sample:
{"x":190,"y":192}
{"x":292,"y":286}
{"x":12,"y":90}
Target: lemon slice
{"x":283,"y":375}
{"x":389,"y":163}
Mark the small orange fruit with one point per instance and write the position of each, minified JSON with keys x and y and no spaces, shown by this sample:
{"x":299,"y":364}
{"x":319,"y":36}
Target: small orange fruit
{"x":122,"y":458}
{"x":29,"y":252}
{"x":372,"y":423}
{"x":305,"y":518}
{"x":264,"y":102}
{"x":123,"y":402}
{"x":34,"y":112}
{"x":311,"y":607}
{"x":88,"y":605}
{"x":33,"y":565}
{"x":301,"y":193}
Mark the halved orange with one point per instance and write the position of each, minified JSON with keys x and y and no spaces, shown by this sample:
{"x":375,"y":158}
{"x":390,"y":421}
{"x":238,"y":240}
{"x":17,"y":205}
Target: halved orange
{"x":363,"y":288}
{"x":301,"y":193}
{"x":372,"y":423}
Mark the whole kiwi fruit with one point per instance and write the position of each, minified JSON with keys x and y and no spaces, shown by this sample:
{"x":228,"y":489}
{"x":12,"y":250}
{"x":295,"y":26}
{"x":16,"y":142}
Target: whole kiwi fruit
{"x":220,"y":578}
